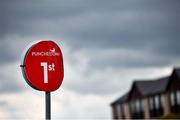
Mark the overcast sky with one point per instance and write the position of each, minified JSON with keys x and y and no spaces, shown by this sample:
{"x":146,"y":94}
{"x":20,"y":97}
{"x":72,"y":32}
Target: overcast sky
{"x":106,"y":45}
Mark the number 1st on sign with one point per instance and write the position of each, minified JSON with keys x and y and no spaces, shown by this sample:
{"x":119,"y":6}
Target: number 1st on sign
{"x":47,"y":68}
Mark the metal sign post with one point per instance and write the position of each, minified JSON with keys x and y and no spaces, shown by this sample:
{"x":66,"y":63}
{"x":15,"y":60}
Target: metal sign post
{"x":48,"y":105}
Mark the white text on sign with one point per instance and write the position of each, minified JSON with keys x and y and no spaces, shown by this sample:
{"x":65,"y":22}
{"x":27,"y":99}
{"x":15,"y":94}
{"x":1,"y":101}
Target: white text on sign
{"x":47,"y":68}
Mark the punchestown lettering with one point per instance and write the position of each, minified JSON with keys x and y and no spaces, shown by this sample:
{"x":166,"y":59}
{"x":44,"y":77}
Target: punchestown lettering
{"x":45,"y":54}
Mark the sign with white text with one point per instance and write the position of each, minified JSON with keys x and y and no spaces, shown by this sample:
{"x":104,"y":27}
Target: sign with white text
{"x":42,"y":66}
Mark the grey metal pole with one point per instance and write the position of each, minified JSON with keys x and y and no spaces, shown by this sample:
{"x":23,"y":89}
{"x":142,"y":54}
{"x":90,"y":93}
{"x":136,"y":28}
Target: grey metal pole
{"x":48,"y":105}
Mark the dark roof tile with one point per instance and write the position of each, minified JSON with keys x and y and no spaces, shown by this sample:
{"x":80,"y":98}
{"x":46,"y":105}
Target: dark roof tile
{"x":121,"y":99}
{"x":149,"y":87}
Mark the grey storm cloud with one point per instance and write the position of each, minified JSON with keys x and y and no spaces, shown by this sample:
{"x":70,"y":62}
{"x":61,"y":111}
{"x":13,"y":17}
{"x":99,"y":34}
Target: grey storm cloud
{"x":8,"y":85}
{"x":6,"y":56}
{"x":149,"y":26}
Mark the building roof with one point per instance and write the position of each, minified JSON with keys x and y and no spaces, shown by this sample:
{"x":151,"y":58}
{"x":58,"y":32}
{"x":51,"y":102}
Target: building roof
{"x":121,"y":99}
{"x":148,"y":87}
{"x":152,"y":86}
{"x":177,"y":71}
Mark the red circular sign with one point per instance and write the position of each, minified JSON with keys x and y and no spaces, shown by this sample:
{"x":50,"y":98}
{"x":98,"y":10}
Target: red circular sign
{"x":42,"y":66}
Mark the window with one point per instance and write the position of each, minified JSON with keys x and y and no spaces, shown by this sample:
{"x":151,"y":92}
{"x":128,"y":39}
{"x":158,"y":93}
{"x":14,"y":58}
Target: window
{"x":175,"y":101}
{"x":172,"y":98}
{"x":137,"y":106}
{"x":162,"y":100}
{"x":136,"y":109}
{"x":133,"y":108}
{"x":178,"y":97}
{"x":151,"y":103}
{"x":157,"y":102}
{"x":119,"y":110}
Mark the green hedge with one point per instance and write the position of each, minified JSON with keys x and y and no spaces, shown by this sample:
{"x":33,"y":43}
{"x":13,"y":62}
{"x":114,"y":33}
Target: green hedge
{"x":170,"y":116}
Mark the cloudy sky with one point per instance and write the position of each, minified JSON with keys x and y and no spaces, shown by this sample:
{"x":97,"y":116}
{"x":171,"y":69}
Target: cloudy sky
{"x":106,"y":45}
